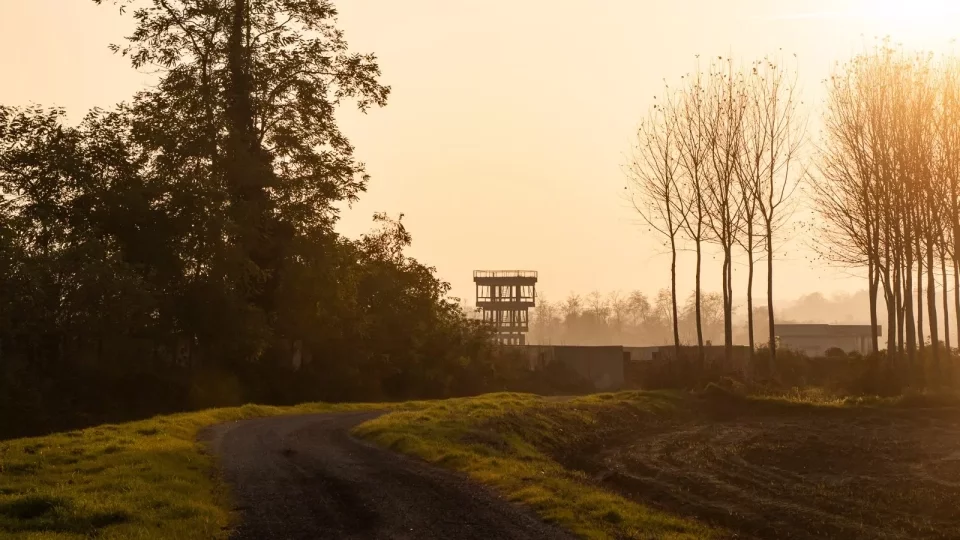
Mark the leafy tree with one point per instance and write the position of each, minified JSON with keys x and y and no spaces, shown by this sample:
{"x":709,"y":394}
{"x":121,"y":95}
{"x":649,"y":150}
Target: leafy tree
{"x":241,"y":130}
{"x":178,"y":250}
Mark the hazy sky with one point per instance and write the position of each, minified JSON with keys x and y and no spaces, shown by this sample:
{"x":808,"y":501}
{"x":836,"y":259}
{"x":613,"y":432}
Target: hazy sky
{"x":508,"y":124}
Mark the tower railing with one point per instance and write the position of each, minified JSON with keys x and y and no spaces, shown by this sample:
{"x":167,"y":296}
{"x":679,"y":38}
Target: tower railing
{"x":505,"y":274}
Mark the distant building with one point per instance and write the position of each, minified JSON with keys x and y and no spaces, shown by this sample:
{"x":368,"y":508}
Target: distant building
{"x":712,"y":353}
{"x":603,"y":366}
{"x":815,"y":339}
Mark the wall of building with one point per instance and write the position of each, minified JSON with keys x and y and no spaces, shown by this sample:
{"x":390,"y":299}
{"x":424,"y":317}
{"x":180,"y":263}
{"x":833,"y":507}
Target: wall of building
{"x":817,"y":345}
{"x":712,"y":353}
{"x":815,"y":339}
{"x":603,"y":366}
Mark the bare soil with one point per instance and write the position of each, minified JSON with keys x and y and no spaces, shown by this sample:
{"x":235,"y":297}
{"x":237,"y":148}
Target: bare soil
{"x":805,"y":473}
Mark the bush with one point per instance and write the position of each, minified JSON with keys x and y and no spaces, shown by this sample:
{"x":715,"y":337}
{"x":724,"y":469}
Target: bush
{"x":834,"y":352}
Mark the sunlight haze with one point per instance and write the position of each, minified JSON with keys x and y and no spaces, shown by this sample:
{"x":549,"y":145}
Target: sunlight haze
{"x":503,"y":140}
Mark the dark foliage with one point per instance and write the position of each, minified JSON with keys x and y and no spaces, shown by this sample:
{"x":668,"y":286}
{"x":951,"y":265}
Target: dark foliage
{"x":178,"y":251}
{"x":838,"y":373}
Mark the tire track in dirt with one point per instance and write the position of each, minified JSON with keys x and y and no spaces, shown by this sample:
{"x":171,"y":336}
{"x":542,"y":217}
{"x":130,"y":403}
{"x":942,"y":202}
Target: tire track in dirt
{"x":856,"y":474}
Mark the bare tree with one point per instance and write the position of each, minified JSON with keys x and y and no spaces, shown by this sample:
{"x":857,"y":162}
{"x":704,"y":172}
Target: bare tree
{"x":748,"y":238}
{"x":849,"y":191}
{"x":776,"y":131}
{"x":948,"y":137}
{"x":619,"y":309}
{"x":691,"y":117}
{"x":726,"y":102}
{"x":571,"y":310}
{"x":888,"y":189}
{"x":653,"y":172}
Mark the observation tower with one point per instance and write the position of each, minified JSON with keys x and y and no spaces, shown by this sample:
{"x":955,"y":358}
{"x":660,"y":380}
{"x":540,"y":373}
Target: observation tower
{"x":504,"y":298}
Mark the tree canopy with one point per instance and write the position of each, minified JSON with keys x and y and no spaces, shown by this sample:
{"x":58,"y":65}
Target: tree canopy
{"x":178,"y":249}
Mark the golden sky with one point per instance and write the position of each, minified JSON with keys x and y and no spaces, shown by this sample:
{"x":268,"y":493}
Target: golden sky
{"x":505,"y":135}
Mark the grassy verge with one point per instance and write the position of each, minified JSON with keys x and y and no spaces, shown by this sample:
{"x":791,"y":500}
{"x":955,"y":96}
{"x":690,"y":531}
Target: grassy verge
{"x":152,"y":480}
{"x":140,"y":480}
{"x":510,"y":442}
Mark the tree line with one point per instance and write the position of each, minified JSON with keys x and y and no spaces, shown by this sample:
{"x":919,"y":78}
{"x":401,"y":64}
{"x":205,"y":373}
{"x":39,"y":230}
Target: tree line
{"x":888,"y":192}
{"x":716,"y":162}
{"x":720,"y":157}
{"x":634,"y":319}
{"x":178,"y":250}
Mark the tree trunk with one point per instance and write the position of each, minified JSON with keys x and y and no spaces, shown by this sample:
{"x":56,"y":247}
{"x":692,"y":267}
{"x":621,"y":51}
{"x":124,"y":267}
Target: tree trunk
{"x":699,"y":314}
{"x":248,"y":171}
{"x":921,"y":342}
{"x":956,"y":300}
{"x":673,"y":295}
{"x":907,"y":299}
{"x":888,"y":296}
{"x":956,"y":313}
{"x":946,"y":299}
{"x":889,"y":285}
{"x":728,"y":304}
{"x":873,"y":274}
{"x":932,"y":307}
{"x":770,"y":320}
{"x":898,"y":308}
{"x":873,"y":280}
{"x":750,"y":337}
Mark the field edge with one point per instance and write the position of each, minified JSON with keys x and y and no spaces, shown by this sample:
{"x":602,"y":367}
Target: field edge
{"x":511,"y":444}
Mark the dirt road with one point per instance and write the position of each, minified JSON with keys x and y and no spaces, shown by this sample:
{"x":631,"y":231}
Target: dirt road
{"x":305,"y":477}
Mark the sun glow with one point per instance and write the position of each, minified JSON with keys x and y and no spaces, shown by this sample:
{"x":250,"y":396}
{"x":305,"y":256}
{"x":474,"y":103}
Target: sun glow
{"x":909,"y":9}
{"x":926,"y":23}
{"x":911,"y":13}
{"x":930,"y":24}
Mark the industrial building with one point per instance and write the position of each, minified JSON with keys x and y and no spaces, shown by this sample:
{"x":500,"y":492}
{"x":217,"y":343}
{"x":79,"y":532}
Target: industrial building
{"x":603,"y":366}
{"x":815,"y":339}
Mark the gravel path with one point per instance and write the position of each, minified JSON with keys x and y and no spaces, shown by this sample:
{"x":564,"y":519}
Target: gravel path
{"x":305,"y":477}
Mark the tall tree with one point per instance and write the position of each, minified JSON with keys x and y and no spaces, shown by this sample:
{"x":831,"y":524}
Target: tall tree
{"x":775,"y":139}
{"x":653,"y":170}
{"x":243,"y":117}
{"x":690,"y":114}
{"x":727,"y":102}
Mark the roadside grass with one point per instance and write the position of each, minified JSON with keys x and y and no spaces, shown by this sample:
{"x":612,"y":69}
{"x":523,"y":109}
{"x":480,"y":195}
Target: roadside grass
{"x":153,"y":480}
{"x":511,"y":443}
{"x":149,"y":479}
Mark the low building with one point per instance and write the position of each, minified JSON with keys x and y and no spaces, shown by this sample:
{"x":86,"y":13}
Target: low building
{"x":815,"y":339}
{"x":601,"y":365}
{"x":650,"y":367}
{"x":712,"y":353}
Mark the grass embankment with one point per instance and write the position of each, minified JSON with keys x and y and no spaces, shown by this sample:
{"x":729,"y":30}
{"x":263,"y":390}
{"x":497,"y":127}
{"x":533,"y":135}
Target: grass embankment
{"x":519,"y":445}
{"x":511,"y":442}
{"x":152,"y":480}
{"x":140,"y":480}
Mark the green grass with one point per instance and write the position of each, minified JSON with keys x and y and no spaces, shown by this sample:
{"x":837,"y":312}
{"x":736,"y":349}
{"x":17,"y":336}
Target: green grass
{"x":152,"y":479}
{"x":509,"y":442}
{"x":141,"y":480}
{"x":812,"y":395}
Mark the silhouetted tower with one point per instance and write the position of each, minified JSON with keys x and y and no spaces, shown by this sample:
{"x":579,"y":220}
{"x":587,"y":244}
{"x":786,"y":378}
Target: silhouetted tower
{"x":504,"y":297}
